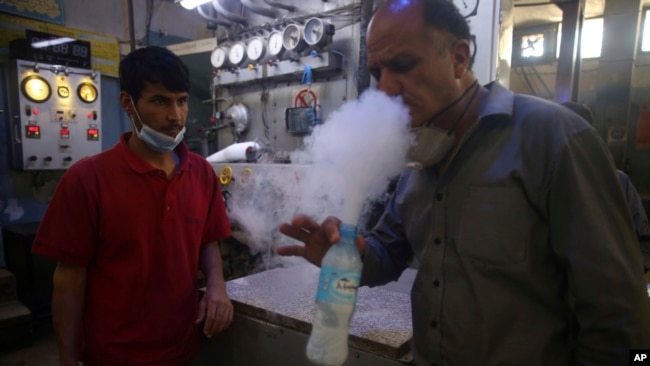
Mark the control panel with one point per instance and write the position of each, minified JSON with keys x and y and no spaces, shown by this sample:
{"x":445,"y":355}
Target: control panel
{"x":56,"y":116}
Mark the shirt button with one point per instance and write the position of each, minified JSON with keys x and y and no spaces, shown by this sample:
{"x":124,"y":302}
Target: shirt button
{"x":437,"y":241}
{"x":434,"y":324}
{"x":168,"y":207}
{"x":439,"y":196}
{"x":436,"y":283}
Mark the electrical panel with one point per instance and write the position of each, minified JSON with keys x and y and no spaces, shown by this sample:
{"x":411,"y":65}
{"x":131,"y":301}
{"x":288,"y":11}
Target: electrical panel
{"x":56,"y":115}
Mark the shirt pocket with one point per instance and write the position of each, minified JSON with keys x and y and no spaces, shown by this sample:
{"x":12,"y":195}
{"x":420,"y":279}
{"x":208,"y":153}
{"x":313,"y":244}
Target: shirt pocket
{"x":495,"y":225}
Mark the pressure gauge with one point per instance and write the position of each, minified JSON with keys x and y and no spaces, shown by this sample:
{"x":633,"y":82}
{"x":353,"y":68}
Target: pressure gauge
{"x":87,"y":92}
{"x":467,"y":8}
{"x":275,"y":44}
{"x":35,"y":88}
{"x":316,"y":32}
{"x":218,"y":57}
{"x":255,"y":49}
{"x":292,"y":38}
{"x":237,"y":53}
{"x":63,"y":91}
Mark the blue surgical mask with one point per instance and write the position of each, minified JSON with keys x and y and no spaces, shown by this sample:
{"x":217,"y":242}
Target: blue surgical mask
{"x":155,"y":140}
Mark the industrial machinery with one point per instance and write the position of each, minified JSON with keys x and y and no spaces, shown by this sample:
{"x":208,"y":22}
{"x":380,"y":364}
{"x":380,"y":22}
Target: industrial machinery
{"x":56,"y":108}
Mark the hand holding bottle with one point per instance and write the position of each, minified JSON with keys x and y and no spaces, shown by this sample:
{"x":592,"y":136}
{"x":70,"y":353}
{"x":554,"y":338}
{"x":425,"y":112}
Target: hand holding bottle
{"x":318,"y":238}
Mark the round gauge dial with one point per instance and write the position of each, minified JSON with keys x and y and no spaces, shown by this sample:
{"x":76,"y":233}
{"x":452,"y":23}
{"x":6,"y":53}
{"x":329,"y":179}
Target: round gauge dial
{"x":467,"y":8}
{"x":36,"y":89}
{"x":315,"y":32}
{"x":275,"y":43}
{"x":63,"y":91}
{"x":237,"y":53}
{"x":292,"y":38}
{"x":87,"y":92}
{"x":255,"y":49}
{"x":218,"y":57}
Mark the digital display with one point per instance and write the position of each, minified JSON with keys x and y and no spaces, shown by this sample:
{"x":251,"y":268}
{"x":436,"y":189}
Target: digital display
{"x":54,"y":49}
{"x":93,"y":134}
{"x":33,"y":132}
{"x":65,"y":134}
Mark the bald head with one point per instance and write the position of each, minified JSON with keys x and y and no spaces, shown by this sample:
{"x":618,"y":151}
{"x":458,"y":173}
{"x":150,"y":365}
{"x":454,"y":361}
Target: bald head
{"x":441,"y":15}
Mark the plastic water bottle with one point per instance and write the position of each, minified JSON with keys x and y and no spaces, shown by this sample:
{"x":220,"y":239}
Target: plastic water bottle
{"x":335,"y":300}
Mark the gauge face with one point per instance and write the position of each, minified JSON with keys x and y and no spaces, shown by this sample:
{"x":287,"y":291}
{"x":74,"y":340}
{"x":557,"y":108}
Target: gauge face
{"x":36,"y":89}
{"x":87,"y":92}
{"x":63,"y":91}
{"x":467,"y":8}
{"x":255,"y":49}
{"x":314,"y":31}
{"x":237,"y":53}
{"x":275,"y":43}
{"x":218,"y":57}
{"x":291,"y":37}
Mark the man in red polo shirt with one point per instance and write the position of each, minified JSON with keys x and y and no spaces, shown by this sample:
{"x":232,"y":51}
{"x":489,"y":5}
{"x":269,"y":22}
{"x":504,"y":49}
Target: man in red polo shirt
{"x":130,"y":227}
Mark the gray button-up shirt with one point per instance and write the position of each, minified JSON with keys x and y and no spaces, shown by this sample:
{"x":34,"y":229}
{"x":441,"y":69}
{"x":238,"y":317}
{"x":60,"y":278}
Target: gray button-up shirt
{"x":529,"y":214}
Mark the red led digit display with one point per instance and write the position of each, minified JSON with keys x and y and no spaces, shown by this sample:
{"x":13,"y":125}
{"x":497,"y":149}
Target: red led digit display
{"x":33,"y":132}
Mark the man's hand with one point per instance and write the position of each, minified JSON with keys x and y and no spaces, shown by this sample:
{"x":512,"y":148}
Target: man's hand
{"x":317,"y":238}
{"x":216,"y":309}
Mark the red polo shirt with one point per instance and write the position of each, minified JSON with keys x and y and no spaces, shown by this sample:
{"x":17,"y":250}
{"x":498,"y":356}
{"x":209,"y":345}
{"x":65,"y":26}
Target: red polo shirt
{"x":139,"y":235}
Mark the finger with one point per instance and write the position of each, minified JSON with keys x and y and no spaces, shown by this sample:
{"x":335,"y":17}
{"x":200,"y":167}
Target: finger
{"x":331,"y":228}
{"x":361,"y":245}
{"x":305,"y":222}
{"x":291,"y":250}
{"x":209,"y":321}
{"x":294,"y":232}
{"x":201,"y":315}
{"x":224,"y":320}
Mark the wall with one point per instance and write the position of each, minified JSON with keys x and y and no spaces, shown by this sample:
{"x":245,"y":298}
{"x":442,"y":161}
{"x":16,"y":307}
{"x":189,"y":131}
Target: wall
{"x":540,"y":80}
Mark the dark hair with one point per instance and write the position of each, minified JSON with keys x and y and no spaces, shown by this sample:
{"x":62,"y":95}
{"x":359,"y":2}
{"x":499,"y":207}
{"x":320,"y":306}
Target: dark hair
{"x":581,"y":110}
{"x":154,"y":65}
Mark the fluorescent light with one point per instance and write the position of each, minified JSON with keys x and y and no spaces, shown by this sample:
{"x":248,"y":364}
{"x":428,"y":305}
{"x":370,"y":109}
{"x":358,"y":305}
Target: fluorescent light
{"x":52,"y":42}
{"x":191,"y":4}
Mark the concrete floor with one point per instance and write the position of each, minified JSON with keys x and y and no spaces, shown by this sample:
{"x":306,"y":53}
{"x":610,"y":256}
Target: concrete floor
{"x":42,"y":352}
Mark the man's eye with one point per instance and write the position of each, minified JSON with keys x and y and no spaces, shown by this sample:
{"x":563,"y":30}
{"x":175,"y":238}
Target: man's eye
{"x":403,"y":67}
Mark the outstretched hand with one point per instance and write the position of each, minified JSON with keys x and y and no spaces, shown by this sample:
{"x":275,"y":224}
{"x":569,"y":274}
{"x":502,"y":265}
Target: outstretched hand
{"x":317,"y":238}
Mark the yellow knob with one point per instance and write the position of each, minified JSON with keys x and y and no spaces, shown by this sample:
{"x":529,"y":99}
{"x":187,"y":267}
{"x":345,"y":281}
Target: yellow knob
{"x":225,"y":176}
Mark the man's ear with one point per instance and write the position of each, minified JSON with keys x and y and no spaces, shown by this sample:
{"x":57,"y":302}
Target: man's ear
{"x":125,"y":103}
{"x":460,"y":51}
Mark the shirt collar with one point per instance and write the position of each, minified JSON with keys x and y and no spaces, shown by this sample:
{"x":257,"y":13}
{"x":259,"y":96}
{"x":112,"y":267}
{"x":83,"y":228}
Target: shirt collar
{"x":499,"y":101}
{"x":140,"y":165}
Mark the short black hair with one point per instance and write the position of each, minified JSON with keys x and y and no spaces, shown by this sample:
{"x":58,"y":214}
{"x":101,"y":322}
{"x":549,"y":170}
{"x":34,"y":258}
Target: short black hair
{"x":155,"y":65}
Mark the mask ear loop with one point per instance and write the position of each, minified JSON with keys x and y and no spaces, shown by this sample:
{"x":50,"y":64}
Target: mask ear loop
{"x":136,"y":114}
{"x":466,"y":108}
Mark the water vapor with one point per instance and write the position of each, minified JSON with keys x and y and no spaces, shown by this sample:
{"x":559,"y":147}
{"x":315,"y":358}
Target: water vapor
{"x":346,"y":161}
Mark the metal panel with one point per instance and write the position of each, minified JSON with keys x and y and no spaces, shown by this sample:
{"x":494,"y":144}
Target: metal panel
{"x":63,"y":127}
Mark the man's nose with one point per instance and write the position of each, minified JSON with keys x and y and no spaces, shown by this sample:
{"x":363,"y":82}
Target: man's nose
{"x":175,"y":112}
{"x":389,"y":84}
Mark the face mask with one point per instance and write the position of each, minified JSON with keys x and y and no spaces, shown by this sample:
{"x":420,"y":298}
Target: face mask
{"x":156,"y":141}
{"x":431,"y":145}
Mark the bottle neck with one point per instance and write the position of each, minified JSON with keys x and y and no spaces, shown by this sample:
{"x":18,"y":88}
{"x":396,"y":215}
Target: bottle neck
{"x":348,"y":231}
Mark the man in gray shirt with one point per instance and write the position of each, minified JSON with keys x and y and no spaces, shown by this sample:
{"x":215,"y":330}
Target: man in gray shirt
{"x":511,"y":206}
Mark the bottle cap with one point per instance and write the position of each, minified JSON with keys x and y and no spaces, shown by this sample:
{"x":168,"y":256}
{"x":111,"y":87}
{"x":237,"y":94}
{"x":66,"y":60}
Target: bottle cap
{"x":348,"y":231}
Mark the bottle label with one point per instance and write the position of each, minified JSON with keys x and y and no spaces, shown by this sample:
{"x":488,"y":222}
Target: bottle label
{"x":337,"y":286}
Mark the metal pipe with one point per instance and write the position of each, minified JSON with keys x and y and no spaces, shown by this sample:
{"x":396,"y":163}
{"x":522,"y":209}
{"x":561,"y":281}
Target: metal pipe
{"x":363,"y":75}
{"x":227,"y":14}
{"x":211,"y":18}
{"x":269,"y":13}
{"x":276,"y":4}
{"x":131,"y":25}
